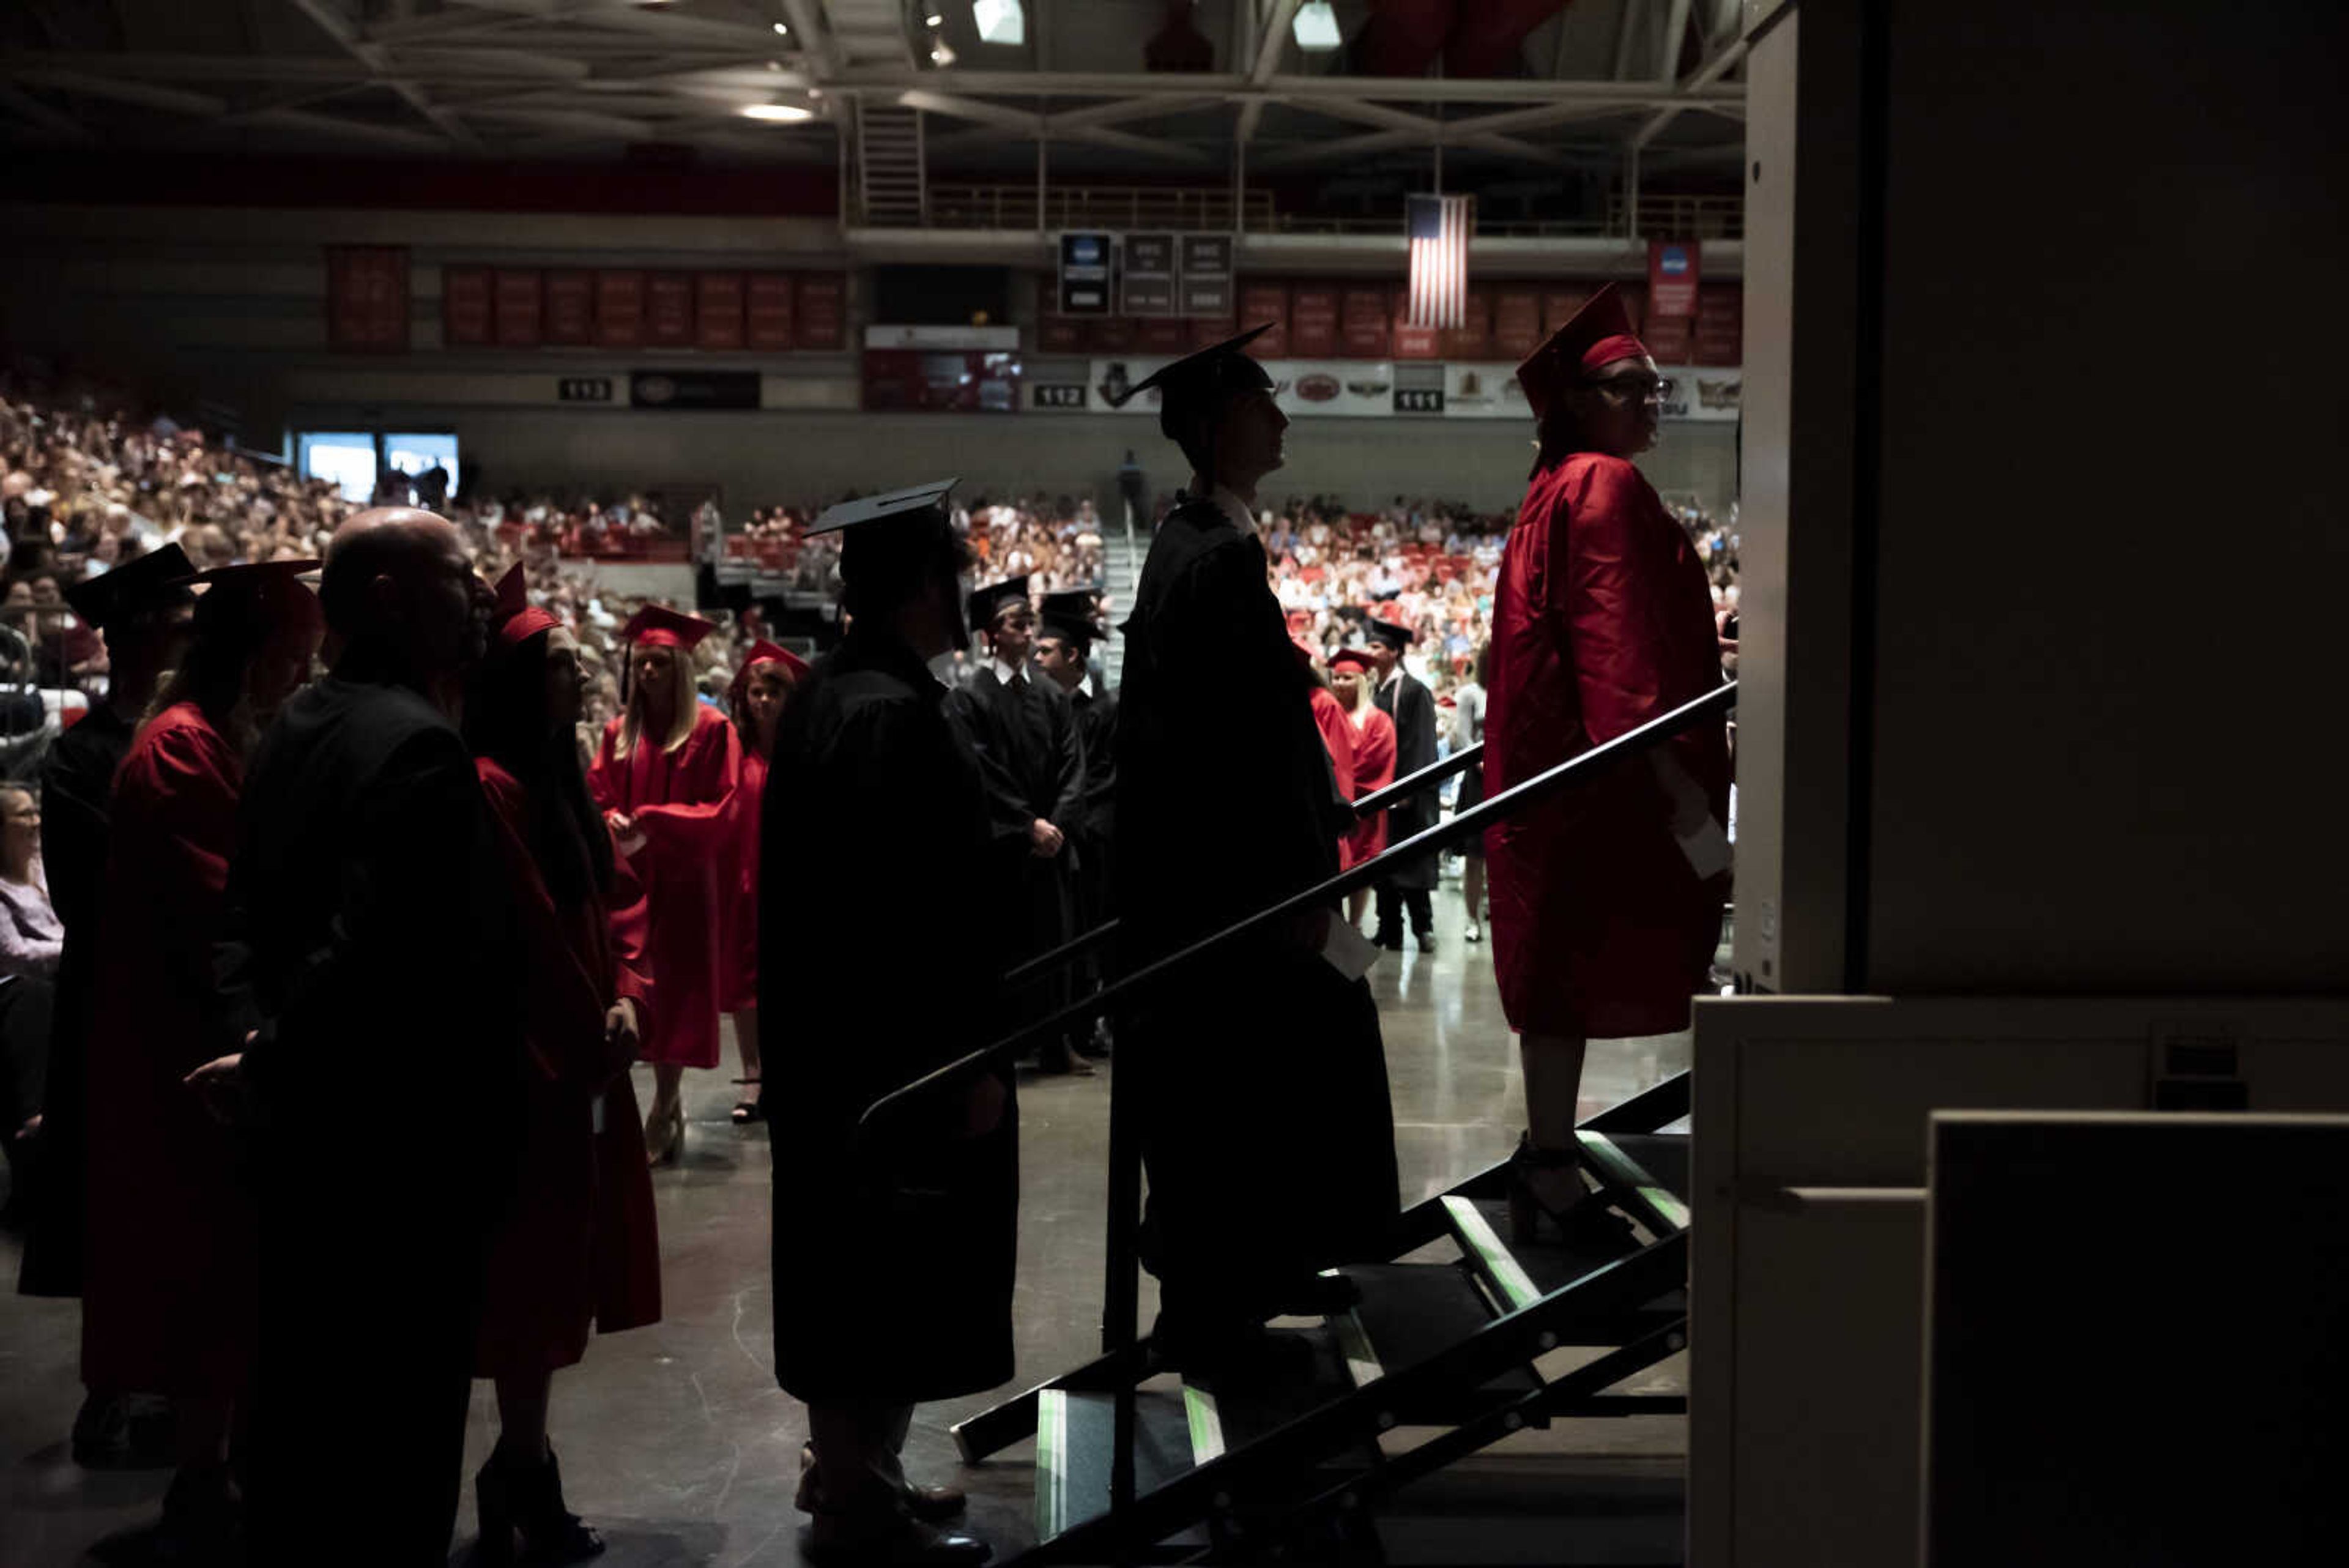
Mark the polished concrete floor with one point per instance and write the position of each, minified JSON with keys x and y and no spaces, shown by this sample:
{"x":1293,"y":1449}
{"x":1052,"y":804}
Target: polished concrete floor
{"x":676,"y":1443}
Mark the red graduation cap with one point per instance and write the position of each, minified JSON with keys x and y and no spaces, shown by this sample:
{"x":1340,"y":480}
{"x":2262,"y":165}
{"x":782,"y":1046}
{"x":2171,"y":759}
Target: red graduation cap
{"x":1351,"y":659}
{"x":517,"y":620}
{"x":1597,"y":334}
{"x":795,"y":669}
{"x":657,"y":625}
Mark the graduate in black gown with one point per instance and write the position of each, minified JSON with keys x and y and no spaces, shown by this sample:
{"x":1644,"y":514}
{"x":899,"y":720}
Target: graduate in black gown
{"x":1025,"y":735}
{"x":1409,"y":887}
{"x":1070,"y":626}
{"x":372,"y":979}
{"x":892,"y":1262}
{"x":143,"y":609}
{"x":1268,"y":1133}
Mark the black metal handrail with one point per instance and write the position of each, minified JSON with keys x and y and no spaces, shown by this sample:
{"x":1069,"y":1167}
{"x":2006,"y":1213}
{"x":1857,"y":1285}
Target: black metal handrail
{"x":1427,"y":778}
{"x":1510,"y":801}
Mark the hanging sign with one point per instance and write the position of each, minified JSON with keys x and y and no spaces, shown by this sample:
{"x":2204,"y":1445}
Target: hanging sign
{"x":1671,"y":279}
{"x":1084,"y":273}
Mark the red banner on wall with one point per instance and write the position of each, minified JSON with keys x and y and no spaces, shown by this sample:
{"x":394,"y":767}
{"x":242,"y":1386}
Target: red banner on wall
{"x":668,"y":309}
{"x":1473,"y":338}
{"x":1672,"y":268}
{"x":767,"y":313}
{"x":366,"y":298}
{"x":1516,"y":322}
{"x":823,"y":310}
{"x":1060,"y":334}
{"x":1558,"y":305}
{"x":619,"y":308}
{"x":1410,"y":341}
{"x":1313,"y":321}
{"x":1720,"y":324}
{"x":1207,"y":331}
{"x":521,"y":304}
{"x":1264,"y":304}
{"x":570,"y":306}
{"x":1163,"y":334}
{"x":718,"y":310}
{"x":1670,"y":340}
{"x":1364,"y":324}
{"x":464,"y":306}
{"x":1113,"y":334}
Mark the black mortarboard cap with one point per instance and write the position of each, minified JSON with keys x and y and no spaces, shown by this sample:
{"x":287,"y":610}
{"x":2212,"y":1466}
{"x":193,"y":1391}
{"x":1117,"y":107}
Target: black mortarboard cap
{"x":1195,"y":383}
{"x":911,"y":502}
{"x":1075,"y":613}
{"x":1395,"y":637}
{"x":986,"y":601}
{"x":156,"y":579}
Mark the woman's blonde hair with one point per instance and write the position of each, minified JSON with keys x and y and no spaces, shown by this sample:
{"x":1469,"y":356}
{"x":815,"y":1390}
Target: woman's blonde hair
{"x":682,"y":702}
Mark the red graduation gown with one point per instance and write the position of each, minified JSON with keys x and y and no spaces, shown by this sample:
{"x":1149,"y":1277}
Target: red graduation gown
{"x":1601,"y":620}
{"x":1338,"y":739}
{"x":683,"y":803}
{"x":743,"y":938}
{"x":170,"y":1292}
{"x":579,"y":1244}
{"x":1374,"y":769}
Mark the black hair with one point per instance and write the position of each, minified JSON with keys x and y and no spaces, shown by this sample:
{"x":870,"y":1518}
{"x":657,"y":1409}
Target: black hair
{"x":506,"y":720}
{"x":885,"y":564}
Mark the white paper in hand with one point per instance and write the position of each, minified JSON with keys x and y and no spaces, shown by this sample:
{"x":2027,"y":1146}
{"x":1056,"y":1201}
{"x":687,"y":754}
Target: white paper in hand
{"x":1707,"y":850}
{"x":1349,"y":951}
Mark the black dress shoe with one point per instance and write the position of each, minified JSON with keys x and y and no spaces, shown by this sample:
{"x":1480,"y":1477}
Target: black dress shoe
{"x":1426,"y":943}
{"x":930,"y":1504}
{"x":520,"y":1504}
{"x":1391,"y":940}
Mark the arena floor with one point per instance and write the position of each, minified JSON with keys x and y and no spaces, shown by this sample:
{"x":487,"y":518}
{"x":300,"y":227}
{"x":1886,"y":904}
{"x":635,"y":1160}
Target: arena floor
{"x":677,"y":1444}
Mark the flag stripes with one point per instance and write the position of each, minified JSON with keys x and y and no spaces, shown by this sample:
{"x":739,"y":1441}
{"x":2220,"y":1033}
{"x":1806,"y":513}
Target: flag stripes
{"x":1438,"y":230}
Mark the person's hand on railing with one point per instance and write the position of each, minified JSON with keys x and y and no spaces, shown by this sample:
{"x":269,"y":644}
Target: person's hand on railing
{"x":1044,"y":840}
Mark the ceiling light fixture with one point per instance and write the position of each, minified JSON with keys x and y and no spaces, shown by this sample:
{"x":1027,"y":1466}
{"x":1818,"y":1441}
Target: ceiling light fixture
{"x":934,"y":21}
{"x":777,"y":113}
{"x":784,"y":29}
{"x":1317,"y":27}
{"x":1000,"y":21}
{"x":940,"y":55}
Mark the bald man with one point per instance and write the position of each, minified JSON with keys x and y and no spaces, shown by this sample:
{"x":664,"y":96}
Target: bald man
{"x":372,"y":977}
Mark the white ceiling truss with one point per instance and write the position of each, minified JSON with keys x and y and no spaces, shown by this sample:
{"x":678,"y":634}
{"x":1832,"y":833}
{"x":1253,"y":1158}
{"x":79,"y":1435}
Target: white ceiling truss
{"x":1599,"y":80}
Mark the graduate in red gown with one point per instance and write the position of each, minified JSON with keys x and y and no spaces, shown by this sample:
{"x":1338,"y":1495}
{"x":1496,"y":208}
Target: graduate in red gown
{"x":1606,"y":900}
{"x":665,"y":777}
{"x":761,"y":687}
{"x":1351,"y":672}
{"x":578,"y":1246}
{"x":171,"y":1295}
{"x":1337,"y":739}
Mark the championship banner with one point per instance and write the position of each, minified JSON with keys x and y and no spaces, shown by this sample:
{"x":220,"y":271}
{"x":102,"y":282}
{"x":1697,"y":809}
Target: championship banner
{"x":823,"y":310}
{"x":768,"y":318}
{"x":619,"y":308}
{"x":1061,"y":335}
{"x":1313,"y":320}
{"x":668,"y":309}
{"x":1671,"y":279}
{"x":569,"y":318}
{"x":1720,"y":324}
{"x":464,"y":306}
{"x":1266,"y":304}
{"x":1473,"y":338}
{"x":366,"y":297}
{"x":1084,"y":273}
{"x":718,"y":310}
{"x":520,"y":306}
{"x":1516,"y":323}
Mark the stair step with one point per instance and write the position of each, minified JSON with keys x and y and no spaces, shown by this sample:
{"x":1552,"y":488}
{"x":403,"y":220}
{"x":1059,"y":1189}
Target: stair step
{"x":1513,"y":1288}
{"x":1074,"y":1434}
{"x":1630,"y":1165}
{"x":1410,"y":1312}
{"x":1552,"y":1266}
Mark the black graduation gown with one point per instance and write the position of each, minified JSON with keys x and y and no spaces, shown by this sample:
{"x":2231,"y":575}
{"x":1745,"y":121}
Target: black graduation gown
{"x":1031,"y":764}
{"x":77,"y":784}
{"x":1096,"y":716}
{"x":369,"y":937}
{"x":893,"y":1267}
{"x":1267,"y":1127}
{"x":1412,"y":706}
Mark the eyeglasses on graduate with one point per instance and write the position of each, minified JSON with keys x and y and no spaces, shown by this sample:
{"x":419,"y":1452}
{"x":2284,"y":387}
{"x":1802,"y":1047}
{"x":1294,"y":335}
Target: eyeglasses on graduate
{"x":1636,"y":388}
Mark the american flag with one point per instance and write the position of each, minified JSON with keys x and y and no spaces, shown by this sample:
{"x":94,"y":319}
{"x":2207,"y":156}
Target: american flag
{"x":1438,"y":227}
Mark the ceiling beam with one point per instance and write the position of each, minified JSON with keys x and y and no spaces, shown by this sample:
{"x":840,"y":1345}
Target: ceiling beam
{"x":179,"y":100}
{"x":1631,"y":21}
{"x":1667,"y":58}
{"x":1699,"y":81}
{"x":335,"y":125}
{"x":1028,"y":126}
{"x":346,"y":34}
{"x":1485,"y":130}
{"x":1265,"y":62}
{"x":1064,"y":125}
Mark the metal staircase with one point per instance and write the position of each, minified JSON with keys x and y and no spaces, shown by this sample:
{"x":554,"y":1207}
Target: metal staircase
{"x":892,"y":184}
{"x":1447,"y":1337}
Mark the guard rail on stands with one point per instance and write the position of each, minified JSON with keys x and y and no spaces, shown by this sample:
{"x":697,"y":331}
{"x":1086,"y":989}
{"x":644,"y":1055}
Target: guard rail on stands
{"x":1427,"y":778}
{"x":1508,"y":802}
